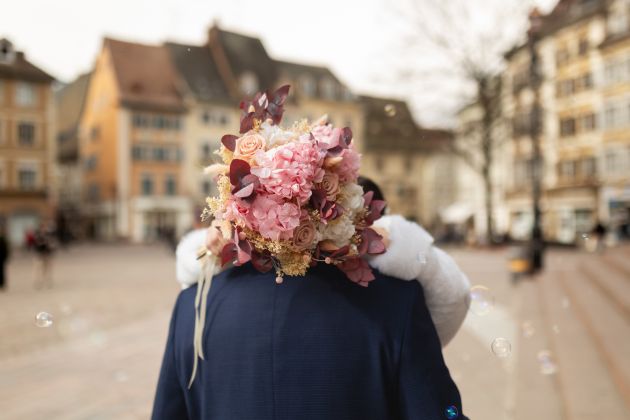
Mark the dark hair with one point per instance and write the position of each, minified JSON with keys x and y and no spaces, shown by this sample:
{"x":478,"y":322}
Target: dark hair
{"x":369,"y":185}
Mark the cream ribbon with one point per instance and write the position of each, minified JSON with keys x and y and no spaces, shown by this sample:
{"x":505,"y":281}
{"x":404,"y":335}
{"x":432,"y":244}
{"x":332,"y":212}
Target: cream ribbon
{"x":208,"y":269}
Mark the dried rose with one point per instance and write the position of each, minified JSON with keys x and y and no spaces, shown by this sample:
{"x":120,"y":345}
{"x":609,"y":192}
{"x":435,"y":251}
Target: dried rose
{"x":248,"y":145}
{"x":304,"y":235}
{"x":330,"y":185}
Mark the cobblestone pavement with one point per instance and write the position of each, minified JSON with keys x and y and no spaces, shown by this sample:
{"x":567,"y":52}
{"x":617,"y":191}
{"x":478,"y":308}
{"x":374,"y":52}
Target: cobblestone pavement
{"x":569,"y":332}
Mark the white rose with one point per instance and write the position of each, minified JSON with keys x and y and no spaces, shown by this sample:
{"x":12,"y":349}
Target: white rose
{"x":275,"y":135}
{"x":339,"y":231}
{"x":352,"y":197}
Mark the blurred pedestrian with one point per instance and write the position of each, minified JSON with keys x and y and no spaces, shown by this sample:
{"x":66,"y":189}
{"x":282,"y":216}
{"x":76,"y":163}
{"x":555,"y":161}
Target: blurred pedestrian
{"x":4,"y":256}
{"x":44,"y":248}
{"x":599,"y":234}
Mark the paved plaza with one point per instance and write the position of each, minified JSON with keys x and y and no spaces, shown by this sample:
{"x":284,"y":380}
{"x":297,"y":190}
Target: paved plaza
{"x":565,"y":335}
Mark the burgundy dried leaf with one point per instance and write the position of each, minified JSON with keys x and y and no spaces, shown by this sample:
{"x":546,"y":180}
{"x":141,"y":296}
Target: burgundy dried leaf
{"x":371,"y":242}
{"x":357,"y":270}
{"x":229,"y":141}
{"x":367,"y":198}
{"x":346,"y":137}
{"x":280,"y":95}
{"x":228,"y":253}
{"x":247,"y":123}
{"x":238,"y":170}
{"x":376,"y":209}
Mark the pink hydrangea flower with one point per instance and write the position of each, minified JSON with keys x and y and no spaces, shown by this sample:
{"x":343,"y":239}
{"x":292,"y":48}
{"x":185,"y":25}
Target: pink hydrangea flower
{"x":348,"y":168}
{"x":273,"y":218}
{"x":326,"y":136}
{"x":289,"y":171}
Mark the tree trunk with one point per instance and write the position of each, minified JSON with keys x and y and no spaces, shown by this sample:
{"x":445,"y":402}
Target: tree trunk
{"x":486,"y":100}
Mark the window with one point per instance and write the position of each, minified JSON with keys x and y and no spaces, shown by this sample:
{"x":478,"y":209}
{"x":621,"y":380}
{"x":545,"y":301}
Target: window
{"x":137,"y":153}
{"x":159,"y":154}
{"x":140,"y":121}
{"x":583,"y":46}
{"x":146,"y":184}
{"x":170,"y":185}
{"x":589,"y":167}
{"x":567,"y":169}
{"x":91,"y":162}
{"x":307,"y":85}
{"x":587,"y":122}
{"x":26,"y":134}
{"x":93,"y":192}
{"x":206,"y":151}
{"x":27,"y":179}
{"x":159,"y":122}
{"x":328,"y":88}
{"x":205,"y":117}
{"x":612,"y":116}
{"x":567,"y":127}
{"x":614,"y":162}
{"x":25,"y":94}
{"x":95,"y":133}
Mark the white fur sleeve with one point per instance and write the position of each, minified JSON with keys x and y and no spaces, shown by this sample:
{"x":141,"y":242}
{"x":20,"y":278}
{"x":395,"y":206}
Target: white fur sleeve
{"x":187,"y":267}
{"x":412,"y":256}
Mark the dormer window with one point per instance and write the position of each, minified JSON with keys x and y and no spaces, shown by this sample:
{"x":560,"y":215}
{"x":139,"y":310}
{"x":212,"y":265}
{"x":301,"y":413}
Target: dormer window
{"x":328,"y":88}
{"x":248,"y":83}
{"x":7,"y":53}
{"x":307,"y":85}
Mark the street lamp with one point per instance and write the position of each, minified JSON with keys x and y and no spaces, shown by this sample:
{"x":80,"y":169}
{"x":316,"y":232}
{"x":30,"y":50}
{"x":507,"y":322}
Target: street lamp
{"x":537,"y":242}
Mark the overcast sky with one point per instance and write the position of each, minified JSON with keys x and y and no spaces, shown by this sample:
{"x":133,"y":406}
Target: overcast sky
{"x":358,"y":39}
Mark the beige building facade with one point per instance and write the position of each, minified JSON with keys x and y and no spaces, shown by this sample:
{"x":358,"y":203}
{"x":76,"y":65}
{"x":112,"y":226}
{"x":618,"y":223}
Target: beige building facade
{"x":582,"y":47}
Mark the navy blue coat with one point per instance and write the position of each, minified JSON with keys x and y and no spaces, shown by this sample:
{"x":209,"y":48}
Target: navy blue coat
{"x":314,"y":347}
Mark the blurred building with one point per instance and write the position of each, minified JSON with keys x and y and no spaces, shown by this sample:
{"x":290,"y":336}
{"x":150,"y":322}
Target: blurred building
{"x":585,"y":67}
{"x":69,"y":105}
{"x":413,"y":165}
{"x":131,"y":145}
{"x":27,"y":146}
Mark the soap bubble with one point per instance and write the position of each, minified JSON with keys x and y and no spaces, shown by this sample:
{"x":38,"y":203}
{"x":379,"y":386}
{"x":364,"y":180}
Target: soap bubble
{"x":390,"y":110}
{"x":43,"y":320}
{"x":565,"y":303}
{"x":481,"y":300}
{"x":584,"y":236}
{"x":451,"y":412}
{"x":501,"y":347}
{"x":547,"y":364}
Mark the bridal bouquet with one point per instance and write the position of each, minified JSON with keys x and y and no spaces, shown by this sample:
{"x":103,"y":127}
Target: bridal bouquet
{"x":288,"y":197}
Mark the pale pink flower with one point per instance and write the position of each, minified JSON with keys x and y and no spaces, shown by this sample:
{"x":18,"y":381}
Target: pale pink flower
{"x":289,"y":171}
{"x":273,"y":218}
{"x":348,"y":168}
{"x":326,"y":136}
